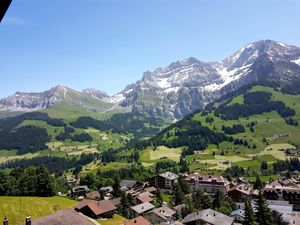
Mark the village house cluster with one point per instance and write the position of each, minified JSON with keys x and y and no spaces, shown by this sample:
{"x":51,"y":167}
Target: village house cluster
{"x":283,"y":196}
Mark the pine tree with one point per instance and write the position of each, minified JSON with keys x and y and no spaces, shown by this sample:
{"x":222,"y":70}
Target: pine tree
{"x":258,"y":183}
{"x":263,"y":213}
{"x":116,"y":187}
{"x":178,"y":194}
{"x":44,"y":182}
{"x":217,"y":200}
{"x":249,"y":214}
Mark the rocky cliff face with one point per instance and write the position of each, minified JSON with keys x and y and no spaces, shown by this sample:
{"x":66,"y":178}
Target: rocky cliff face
{"x":90,"y":99}
{"x":181,"y":87}
{"x":187,"y":85}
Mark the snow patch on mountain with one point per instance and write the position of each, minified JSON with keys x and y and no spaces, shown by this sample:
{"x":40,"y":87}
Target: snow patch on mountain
{"x":297,"y":61}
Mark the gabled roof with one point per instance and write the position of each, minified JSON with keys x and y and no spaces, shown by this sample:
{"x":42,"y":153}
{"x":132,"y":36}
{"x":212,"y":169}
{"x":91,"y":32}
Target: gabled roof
{"x":238,"y":212}
{"x":151,"y":189}
{"x":144,"y":198}
{"x":93,"y":195}
{"x":63,"y":217}
{"x":144,"y":207}
{"x":137,"y":221}
{"x":209,"y":216}
{"x":164,"y":212}
{"x":241,"y":188}
{"x":97,"y":207}
{"x":127,"y":183}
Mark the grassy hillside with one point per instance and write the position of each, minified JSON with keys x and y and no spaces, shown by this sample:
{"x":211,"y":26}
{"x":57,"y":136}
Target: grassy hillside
{"x":17,"y":208}
{"x":266,"y":135}
{"x":70,"y":112}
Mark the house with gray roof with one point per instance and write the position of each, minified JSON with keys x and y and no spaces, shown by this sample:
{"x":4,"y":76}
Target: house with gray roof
{"x":79,"y":191}
{"x":62,"y":217}
{"x":160,"y":215}
{"x":141,"y":209}
{"x":207,"y":216}
{"x":238,"y":215}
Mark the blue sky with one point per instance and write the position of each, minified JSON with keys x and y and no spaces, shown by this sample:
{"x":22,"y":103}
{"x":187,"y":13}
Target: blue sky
{"x":108,"y":44}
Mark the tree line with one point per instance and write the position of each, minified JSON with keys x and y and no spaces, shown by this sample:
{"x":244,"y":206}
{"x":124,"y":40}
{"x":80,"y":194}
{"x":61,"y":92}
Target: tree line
{"x":33,"y":181}
{"x":254,"y":103}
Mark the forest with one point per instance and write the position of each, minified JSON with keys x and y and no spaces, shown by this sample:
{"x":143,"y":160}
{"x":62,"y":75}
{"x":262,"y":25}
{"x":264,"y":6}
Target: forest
{"x":254,"y":103}
{"x":33,"y":181}
{"x":126,"y":123}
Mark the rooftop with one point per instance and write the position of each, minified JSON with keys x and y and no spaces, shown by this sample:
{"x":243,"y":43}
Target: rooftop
{"x":169,"y":175}
{"x":164,"y":212}
{"x":127,"y":183}
{"x":97,"y":207}
{"x":144,"y":207}
{"x":63,"y":217}
{"x":238,"y":212}
{"x":137,"y":221}
{"x":209,"y":216}
{"x":206,"y":178}
{"x":144,"y":198}
{"x":93,"y":195}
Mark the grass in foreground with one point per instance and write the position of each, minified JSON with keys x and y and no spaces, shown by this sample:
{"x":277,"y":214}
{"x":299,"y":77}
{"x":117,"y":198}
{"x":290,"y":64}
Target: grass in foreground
{"x":117,"y":219}
{"x":17,"y":208}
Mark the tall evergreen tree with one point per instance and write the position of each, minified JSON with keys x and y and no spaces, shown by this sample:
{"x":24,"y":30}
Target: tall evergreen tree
{"x":178,"y":195}
{"x":263,"y":213}
{"x":217,"y":200}
{"x":249,"y":214}
{"x":116,"y":187}
{"x":258,"y":183}
{"x":44,"y":182}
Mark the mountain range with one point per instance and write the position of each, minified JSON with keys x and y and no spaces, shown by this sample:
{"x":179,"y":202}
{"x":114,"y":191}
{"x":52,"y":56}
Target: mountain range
{"x":182,"y":87}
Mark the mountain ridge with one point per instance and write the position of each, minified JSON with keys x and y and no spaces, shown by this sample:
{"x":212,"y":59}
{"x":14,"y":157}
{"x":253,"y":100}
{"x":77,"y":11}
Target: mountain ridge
{"x":184,"y":86}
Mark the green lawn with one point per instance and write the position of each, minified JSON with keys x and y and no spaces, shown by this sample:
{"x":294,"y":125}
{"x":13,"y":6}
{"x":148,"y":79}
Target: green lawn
{"x":149,"y":155}
{"x":17,"y":208}
{"x":167,"y":198}
{"x":116,"y":220}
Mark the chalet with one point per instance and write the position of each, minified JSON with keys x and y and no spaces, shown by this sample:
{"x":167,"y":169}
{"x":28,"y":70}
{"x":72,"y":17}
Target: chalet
{"x":141,"y":209}
{"x":207,"y":216}
{"x":144,"y":197}
{"x":151,"y":189}
{"x":94,"y":195}
{"x":241,"y":193}
{"x":279,"y":190}
{"x":62,"y":217}
{"x":132,"y":192}
{"x":96,"y":209}
{"x":165,"y":180}
{"x":238,"y":215}
{"x":107,"y":191}
{"x":160,"y":215}
{"x":79,"y":191}
{"x":131,"y":184}
{"x":209,"y":184}
{"x":137,"y":221}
